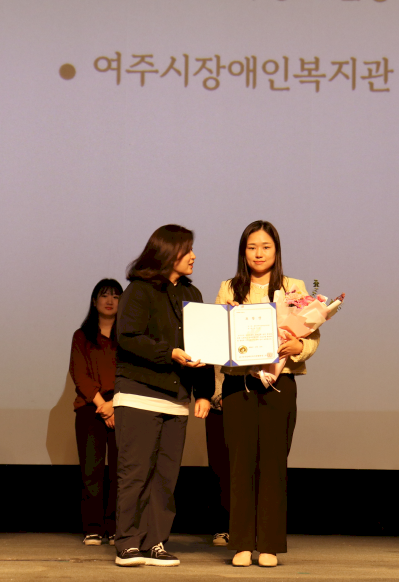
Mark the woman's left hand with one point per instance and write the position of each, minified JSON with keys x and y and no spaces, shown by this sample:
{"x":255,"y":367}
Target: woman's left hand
{"x":202,"y":406}
{"x":110,"y":422}
{"x":291,"y":347}
{"x":106,"y":410}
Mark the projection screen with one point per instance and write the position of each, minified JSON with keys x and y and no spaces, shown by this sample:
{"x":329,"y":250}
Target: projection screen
{"x":118,"y":116}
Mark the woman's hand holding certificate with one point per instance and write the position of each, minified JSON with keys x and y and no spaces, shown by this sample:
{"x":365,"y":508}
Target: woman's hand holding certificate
{"x":184,"y":359}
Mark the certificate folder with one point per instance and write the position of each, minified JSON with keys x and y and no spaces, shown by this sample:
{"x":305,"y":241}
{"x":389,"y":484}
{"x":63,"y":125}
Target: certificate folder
{"x":245,"y":335}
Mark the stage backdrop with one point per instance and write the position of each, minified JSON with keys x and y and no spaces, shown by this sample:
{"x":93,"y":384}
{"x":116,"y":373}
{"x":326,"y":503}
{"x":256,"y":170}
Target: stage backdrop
{"x":118,"y":116}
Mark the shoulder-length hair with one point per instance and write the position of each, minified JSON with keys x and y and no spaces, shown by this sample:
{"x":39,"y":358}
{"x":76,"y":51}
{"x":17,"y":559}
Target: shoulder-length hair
{"x":241,"y":283}
{"x":90,"y":325}
{"x":164,"y":247}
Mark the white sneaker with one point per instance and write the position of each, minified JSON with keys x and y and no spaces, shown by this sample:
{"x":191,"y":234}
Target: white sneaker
{"x":92,"y":540}
{"x":220,"y":539}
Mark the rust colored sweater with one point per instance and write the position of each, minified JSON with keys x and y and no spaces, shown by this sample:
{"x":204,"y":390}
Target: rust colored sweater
{"x":92,"y":368}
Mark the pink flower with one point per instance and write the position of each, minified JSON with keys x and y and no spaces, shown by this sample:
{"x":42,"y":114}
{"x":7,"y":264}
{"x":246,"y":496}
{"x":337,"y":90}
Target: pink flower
{"x":297,"y":299}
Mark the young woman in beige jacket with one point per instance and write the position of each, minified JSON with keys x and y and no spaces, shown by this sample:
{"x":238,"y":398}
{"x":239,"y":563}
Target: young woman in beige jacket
{"x":259,"y":424}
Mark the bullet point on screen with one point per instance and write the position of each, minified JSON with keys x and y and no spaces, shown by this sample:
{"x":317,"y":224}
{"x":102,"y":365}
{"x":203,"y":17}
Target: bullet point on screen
{"x":67,"y":72}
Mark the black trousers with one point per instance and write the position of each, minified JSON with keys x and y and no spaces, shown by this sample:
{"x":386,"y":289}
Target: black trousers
{"x":218,"y":457}
{"x":150,"y":448}
{"x":259,"y":426}
{"x":92,"y":437}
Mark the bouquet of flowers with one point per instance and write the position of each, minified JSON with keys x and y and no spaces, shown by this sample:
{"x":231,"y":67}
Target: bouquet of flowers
{"x":298,"y":315}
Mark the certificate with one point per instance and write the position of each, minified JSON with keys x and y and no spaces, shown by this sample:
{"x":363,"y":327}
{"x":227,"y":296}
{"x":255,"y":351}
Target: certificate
{"x":245,"y":335}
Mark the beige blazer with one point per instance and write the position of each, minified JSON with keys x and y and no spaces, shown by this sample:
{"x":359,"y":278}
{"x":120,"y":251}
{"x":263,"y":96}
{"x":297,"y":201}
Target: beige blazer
{"x":295,"y":364}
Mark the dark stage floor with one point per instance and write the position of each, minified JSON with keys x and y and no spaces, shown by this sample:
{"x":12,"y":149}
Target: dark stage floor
{"x":26,"y":557}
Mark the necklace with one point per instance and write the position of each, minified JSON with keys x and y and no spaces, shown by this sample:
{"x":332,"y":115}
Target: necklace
{"x":260,"y":286}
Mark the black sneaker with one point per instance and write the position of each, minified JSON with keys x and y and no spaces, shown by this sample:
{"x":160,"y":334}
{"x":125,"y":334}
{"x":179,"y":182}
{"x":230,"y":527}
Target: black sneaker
{"x":111,"y":540}
{"x":92,"y":540}
{"x":158,"y":556}
{"x":130,"y":557}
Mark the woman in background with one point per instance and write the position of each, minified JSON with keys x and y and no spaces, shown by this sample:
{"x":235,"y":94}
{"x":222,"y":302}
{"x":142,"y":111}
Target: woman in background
{"x":259,"y":423}
{"x":218,"y":459}
{"x":92,"y":367}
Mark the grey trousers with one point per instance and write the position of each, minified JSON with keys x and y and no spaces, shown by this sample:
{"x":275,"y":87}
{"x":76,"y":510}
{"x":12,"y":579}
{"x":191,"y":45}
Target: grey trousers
{"x":150,"y":448}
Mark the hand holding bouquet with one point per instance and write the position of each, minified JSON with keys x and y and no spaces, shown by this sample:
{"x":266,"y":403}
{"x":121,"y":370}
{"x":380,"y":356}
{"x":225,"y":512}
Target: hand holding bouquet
{"x":298,"y":316}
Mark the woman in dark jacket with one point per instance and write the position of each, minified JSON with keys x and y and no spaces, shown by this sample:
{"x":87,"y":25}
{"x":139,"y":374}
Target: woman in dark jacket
{"x":92,"y":367}
{"x":153,"y":386}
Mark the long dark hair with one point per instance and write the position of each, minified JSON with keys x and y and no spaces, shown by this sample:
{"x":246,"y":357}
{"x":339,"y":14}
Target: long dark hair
{"x":241,"y":283}
{"x":90,"y":324}
{"x":164,"y":247}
